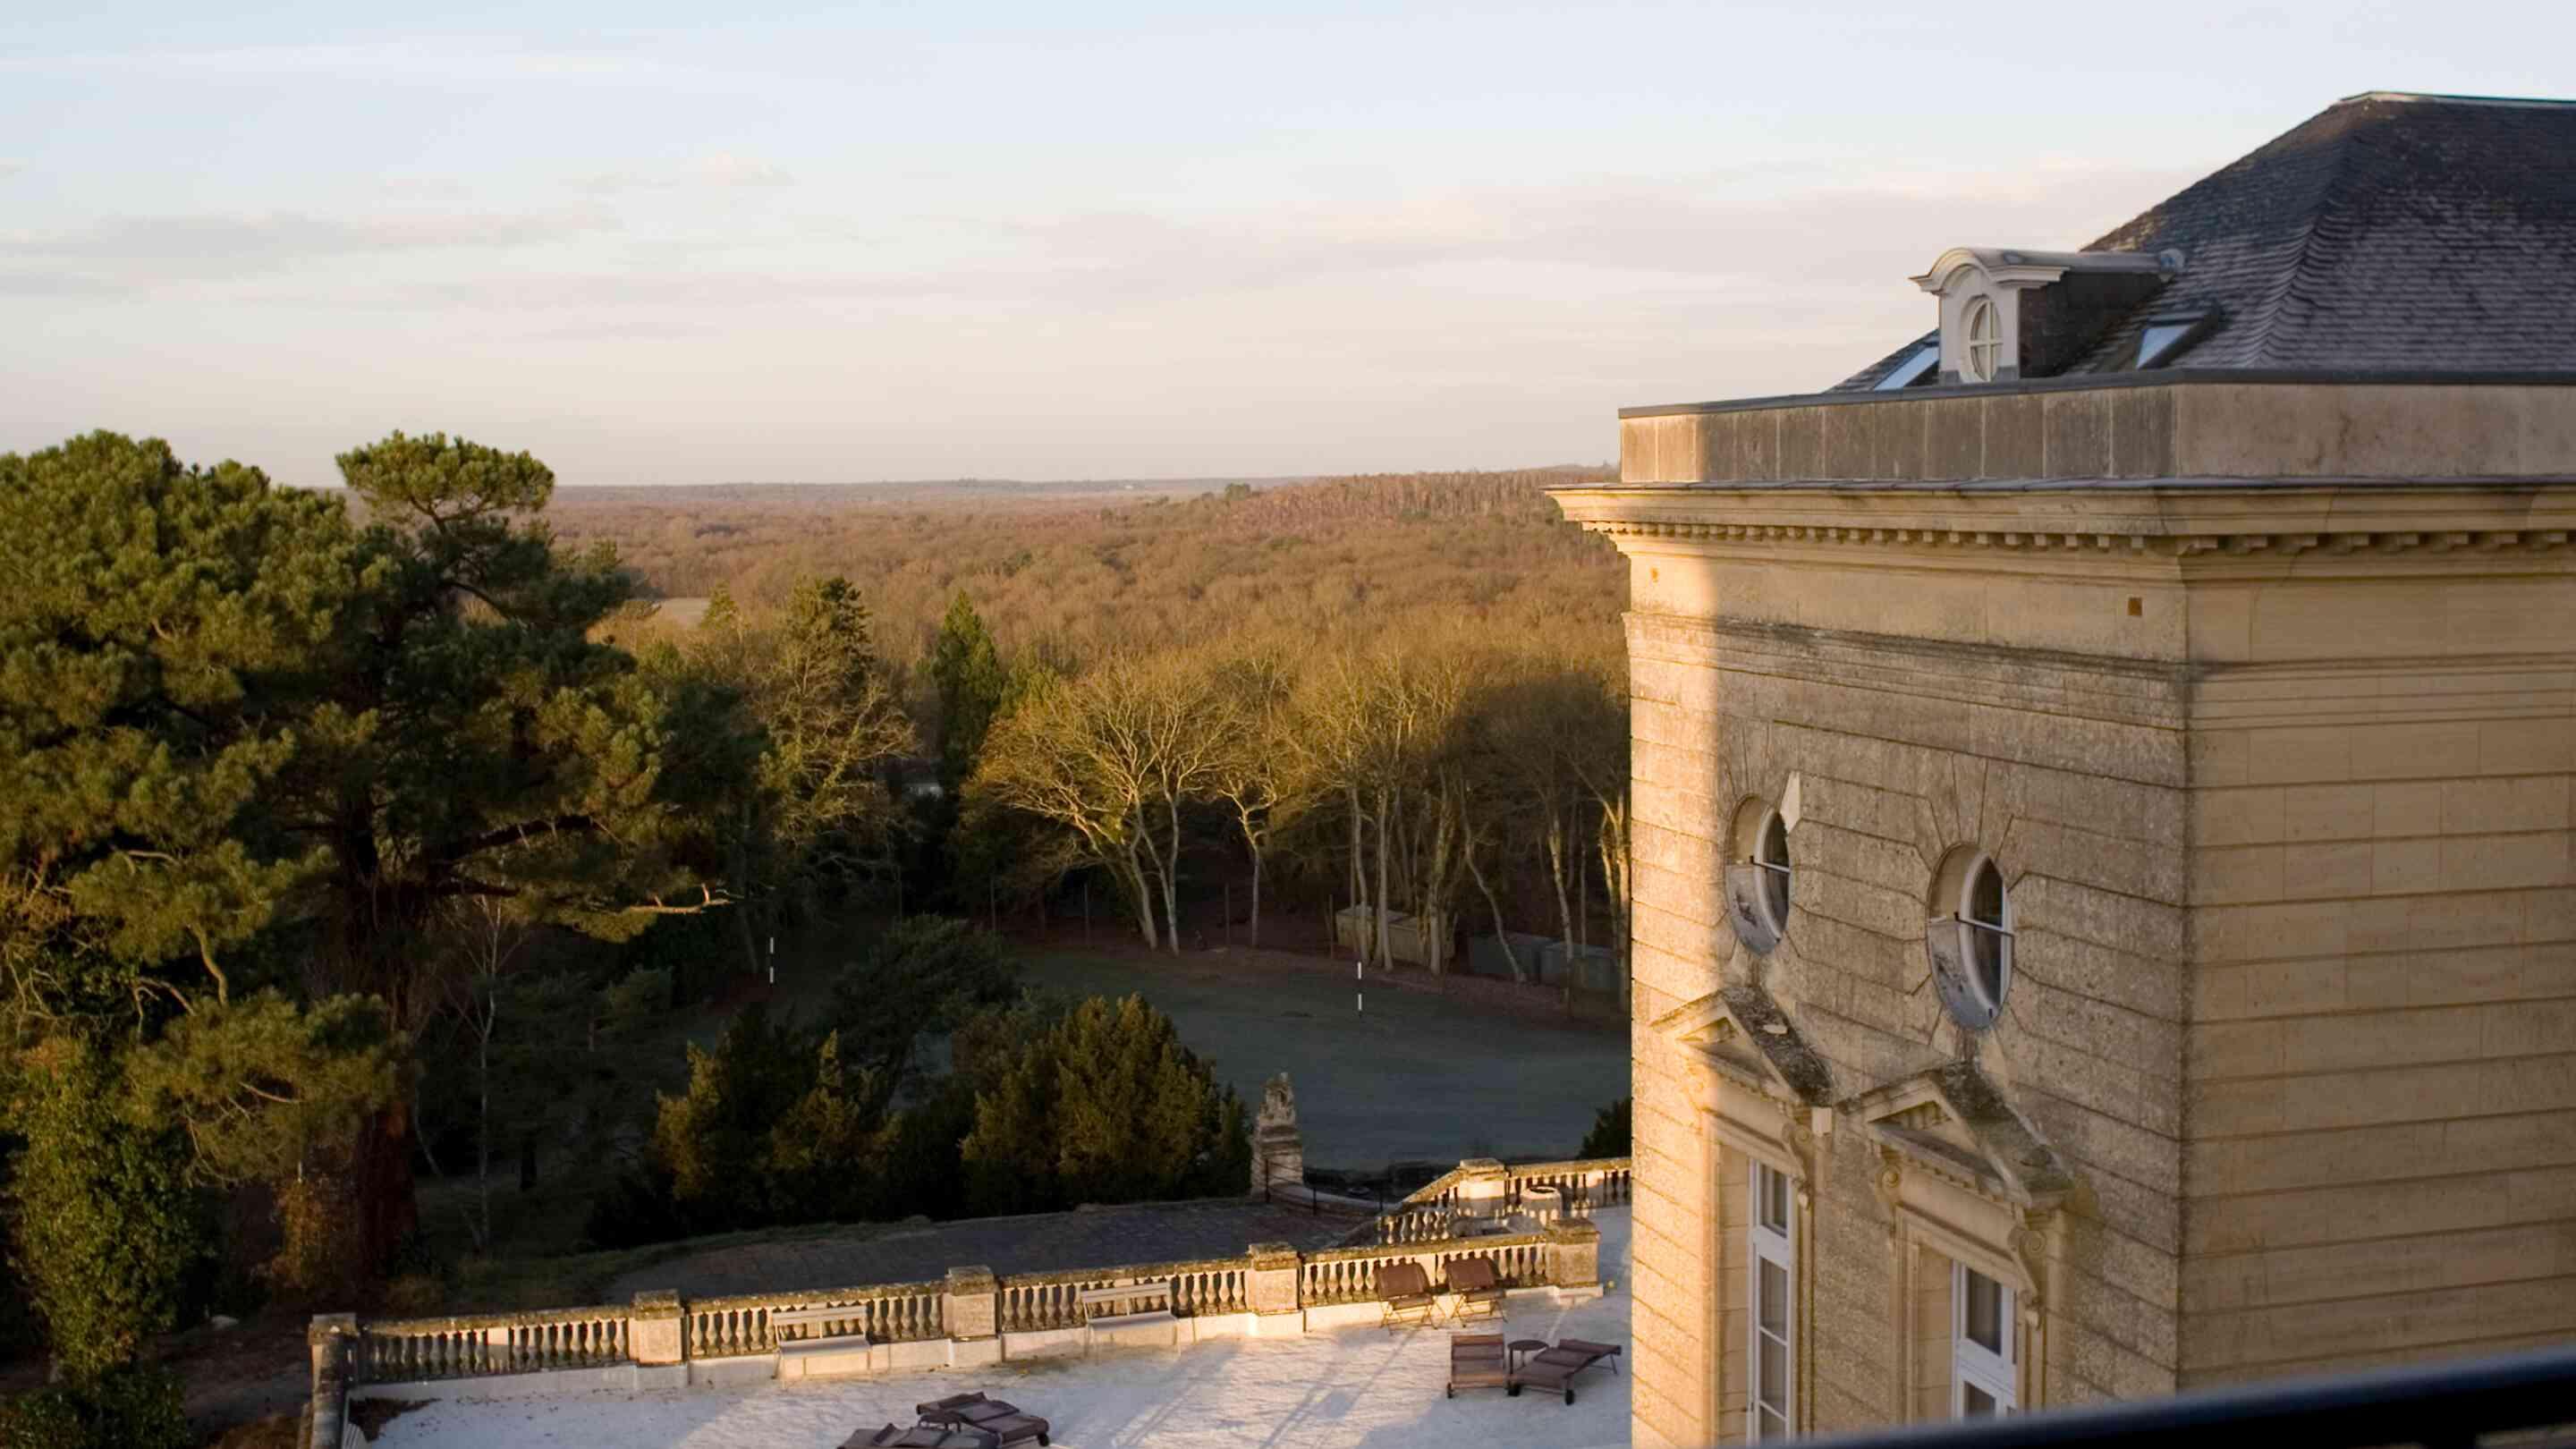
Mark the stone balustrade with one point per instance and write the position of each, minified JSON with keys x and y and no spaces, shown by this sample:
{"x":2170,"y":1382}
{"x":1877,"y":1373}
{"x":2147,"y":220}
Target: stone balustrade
{"x":973,"y":1315}
{"x":732,"y":1326}
{"x":500,"y":1343}
{"x":1199,"y":1288}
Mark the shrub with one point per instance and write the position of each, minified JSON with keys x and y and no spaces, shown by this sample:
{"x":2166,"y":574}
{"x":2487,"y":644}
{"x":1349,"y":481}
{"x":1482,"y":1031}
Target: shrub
{"x":108,"y":1232}
{"x":1106,"y":1107}
{"x":124,"y":1408}
{"x":927,"y":976}
{"x":1609,"y":1134}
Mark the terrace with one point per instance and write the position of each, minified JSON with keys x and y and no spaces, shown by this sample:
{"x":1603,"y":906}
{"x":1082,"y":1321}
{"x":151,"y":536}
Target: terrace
{"x":1274,"y":1346}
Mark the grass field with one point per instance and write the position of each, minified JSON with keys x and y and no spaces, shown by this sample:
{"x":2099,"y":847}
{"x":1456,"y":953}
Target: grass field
{"x":1413,"y":1077}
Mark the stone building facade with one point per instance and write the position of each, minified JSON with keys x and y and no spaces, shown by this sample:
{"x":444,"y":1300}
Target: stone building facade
{"x":2104,"y":920}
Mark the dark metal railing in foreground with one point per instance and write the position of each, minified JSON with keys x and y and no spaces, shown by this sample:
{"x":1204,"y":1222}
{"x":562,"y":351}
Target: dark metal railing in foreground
{"x":2446,"y":1405}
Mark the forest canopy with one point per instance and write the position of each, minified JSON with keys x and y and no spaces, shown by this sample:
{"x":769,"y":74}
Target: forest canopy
{"x":368,"y":834}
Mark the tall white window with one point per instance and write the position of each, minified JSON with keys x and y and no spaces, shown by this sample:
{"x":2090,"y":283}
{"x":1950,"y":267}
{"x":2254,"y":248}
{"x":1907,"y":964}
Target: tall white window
{"x":1773,"y":1367}
{"x":1981,"y":1347}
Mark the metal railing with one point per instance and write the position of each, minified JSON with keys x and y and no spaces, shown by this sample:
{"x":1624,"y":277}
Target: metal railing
{"x":2453,"y":1404}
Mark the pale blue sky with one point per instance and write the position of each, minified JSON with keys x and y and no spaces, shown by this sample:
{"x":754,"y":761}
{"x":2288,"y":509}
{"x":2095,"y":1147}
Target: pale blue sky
{"x":1108,"y":240}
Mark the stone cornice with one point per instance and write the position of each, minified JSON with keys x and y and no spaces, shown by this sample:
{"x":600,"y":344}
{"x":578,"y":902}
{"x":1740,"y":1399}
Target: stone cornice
{"x":2168,"y":519}
{"x":2274,"y":545}
{"x":2163,"y":377}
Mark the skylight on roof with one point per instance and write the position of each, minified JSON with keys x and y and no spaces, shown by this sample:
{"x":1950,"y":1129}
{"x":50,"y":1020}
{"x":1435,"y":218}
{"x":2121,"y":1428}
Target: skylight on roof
{"x":1904,"y":373}
{"x":2166,"y":337}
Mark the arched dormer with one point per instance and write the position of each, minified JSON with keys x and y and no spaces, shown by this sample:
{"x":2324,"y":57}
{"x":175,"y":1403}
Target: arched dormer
{"x":2008,"y":313}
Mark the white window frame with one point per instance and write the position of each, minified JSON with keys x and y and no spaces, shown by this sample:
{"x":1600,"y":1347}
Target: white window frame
{"x":2001,"y":932}
{"x":1781,"y":872}
{"x":1972,"y":1362}
{"x":1778,"y":1246}
{"x":1981,"y":357}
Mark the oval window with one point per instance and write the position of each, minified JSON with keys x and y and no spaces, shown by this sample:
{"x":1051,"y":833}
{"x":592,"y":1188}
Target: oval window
{"x":1985,"y":339}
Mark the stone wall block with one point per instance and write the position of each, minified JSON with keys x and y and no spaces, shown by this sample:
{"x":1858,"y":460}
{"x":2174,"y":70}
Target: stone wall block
{"x":1574,"y":1255}
{"x":653,"y":1327}
{"x":971,"y":1304}
{"x":1271,"y":1277}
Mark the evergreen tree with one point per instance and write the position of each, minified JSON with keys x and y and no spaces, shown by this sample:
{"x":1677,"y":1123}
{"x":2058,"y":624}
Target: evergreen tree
{"x":251,"y":737}
{"x":1107,"y":1106}
{"x":927,"y":976}
{"x":167,"y":635}
{"x":972,"y":684}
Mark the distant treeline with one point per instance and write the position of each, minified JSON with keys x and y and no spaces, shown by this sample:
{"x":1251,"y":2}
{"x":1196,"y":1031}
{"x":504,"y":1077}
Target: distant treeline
{"x":1065,"y":582}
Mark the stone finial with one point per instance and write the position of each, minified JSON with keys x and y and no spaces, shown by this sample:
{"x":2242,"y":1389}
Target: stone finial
{"x":1278,"y":1149}
{"x":1278,"y":1103}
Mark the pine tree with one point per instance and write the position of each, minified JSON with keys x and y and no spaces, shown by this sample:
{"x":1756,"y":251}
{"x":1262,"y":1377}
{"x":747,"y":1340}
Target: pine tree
{"x":972,"y":684}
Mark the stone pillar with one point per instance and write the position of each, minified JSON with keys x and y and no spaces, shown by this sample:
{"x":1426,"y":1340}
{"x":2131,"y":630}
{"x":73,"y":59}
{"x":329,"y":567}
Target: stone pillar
{"x":653,"y":1335}
{"x":1484,"y":1184}
{"x":1278,"y":1149}
{"x":972,"y":1306}
{"x":971,"y":1310}
{"x":332,"y":1339}
{"x":1271,"y":1279}
{"x":1574,"y":1255}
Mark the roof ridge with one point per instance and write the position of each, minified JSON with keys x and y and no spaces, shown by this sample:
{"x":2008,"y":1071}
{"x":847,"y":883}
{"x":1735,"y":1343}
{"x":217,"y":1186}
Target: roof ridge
{"x":2267,"y":320}
{"x":2447,"y":98}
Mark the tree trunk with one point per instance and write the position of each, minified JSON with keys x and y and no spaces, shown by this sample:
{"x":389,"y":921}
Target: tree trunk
{"x":1359,"y":876}
{"x":483,"y":1122}
{"x":388,"y":1210}
{"x":1615,"y":874}
{"x":1143,"y":892}
{"x":1172,"y":878}
{"x":1253,"y":937}
{"x":1385,"y":829}
{"x":1502,"y":933}
{"x":742,"y":887}
{"x":1556,"y":845}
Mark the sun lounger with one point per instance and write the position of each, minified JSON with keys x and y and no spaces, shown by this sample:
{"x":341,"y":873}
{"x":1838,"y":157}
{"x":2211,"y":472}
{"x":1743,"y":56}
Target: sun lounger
{"x":1554,"y":1369}
{"x":1004,"y":1423}
{"x":1406,"y":1290}
{"x":1479,"y":1291}
{"x":919,"y":1436}
{"x":1476,"y":1362}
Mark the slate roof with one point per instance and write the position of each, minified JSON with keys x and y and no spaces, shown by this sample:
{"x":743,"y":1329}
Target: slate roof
{"x":2387,"y":233}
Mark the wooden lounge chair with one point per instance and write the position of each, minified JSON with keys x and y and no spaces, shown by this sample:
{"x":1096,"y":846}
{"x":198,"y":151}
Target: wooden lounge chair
{"x":1406,"y":1290}
{"x":919,"y":1436}
{"x":1554,"y":1369}
{"x":1476,"y":1362}
{"x":1479,"y":1291}
{"x":1001,"y":1422}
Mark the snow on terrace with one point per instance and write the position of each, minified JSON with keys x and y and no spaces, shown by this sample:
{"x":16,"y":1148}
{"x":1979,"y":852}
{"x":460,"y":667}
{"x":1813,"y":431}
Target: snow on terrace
{"x":1354,"y":1387}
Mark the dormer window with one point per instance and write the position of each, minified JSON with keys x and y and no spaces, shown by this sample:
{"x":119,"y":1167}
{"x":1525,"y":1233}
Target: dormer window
{"x":2008,"y":314}
{"x":2168,"y":334}
{"x":1912,"y":370}
{"x":1985,"y":340}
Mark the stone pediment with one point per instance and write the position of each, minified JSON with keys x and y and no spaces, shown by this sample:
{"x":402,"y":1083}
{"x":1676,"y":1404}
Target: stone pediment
{"x":1952,"y":1121}
{"x":1742,"y":1034}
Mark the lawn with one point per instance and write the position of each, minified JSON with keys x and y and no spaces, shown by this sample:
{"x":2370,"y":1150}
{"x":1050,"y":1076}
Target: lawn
{"x":1394,"y":1076}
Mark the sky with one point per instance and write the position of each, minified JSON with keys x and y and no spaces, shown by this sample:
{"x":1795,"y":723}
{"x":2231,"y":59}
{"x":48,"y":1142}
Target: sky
{"x":1122,"y":239}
